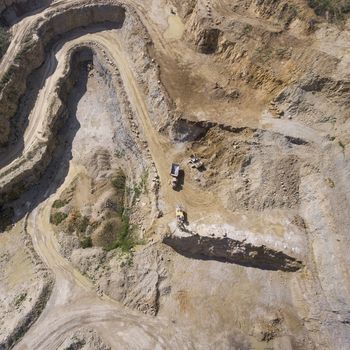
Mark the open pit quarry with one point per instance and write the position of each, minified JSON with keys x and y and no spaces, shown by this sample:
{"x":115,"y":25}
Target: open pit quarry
{"x":245,"y":246}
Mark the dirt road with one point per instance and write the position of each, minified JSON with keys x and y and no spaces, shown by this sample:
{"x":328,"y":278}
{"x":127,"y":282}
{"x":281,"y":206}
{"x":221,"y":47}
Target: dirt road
{"x":74,"y":302}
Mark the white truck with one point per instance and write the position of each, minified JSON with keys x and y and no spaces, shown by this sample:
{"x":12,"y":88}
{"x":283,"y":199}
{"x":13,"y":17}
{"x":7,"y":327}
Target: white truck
{"x":174,"y":172}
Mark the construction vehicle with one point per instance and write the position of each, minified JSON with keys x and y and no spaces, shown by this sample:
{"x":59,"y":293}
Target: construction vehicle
{"x":195,"y":162}
{"x":174,"y":172}
{"x":180,"y":215}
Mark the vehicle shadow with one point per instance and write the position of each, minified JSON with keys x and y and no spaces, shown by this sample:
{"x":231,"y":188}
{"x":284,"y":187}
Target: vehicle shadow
{"x":180,"y":181}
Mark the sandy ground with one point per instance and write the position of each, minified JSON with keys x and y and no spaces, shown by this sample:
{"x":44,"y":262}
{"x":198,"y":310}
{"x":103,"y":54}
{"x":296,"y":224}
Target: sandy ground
{"x":74,"y":302}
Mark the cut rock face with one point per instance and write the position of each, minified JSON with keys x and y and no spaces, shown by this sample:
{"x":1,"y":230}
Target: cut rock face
{"x":224,"y":243}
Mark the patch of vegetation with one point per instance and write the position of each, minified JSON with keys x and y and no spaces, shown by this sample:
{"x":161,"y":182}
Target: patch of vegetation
{"x":4,"y":40}
{"x":78,"y":223}
{"x":139,"y":187}
{"x":117,"y":232}
{"x":143,"y":181}
{"x":119,"y":181}
{"x":57,"y":218}
{"x":333,"y":10}
{"x":19,"y":300}
{"x":58,"y":204}
{"x":125,"y":240}
{"x":247,"y":28}
{"x":119,"y":184}
{"x":119,"y":154}
{"x":86,"y":242}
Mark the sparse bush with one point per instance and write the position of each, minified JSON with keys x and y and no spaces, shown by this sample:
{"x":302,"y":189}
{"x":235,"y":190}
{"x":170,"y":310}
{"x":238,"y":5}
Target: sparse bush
{"x":19,"y":300}
{"x":119,"y":181}
{"x":57,"y":218}
{"x":333,"y":9}
{"x":330,"y":182}
{"x":125,"y":240}
{"x":247,"y":28}
{"x":82,"y":224}
{"x":86,"y":242}
{"x":78,"y":223}
{"x":119,"y":154}
{"x":58,"y":204}
{"x":140,"y":187}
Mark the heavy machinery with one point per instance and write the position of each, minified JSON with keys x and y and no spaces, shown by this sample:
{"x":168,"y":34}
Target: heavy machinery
{"x":180,"y":215}
{"x":195,"y":162}
{"x":174,"y":172}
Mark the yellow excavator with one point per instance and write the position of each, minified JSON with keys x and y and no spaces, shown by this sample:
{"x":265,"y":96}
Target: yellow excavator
{"x":180,"y":215}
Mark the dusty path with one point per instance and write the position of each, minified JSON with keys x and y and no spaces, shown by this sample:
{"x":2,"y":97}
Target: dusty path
{"x":74,"y":302}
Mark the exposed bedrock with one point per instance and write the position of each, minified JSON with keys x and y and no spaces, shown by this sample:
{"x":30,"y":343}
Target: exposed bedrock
{"x":227,"y":249}
{"x":11,"y":10}
{"x":32,"y":54}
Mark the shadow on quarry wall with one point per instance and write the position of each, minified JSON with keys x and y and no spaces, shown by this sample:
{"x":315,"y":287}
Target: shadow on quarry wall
{"x":35,"y":82}
{"x":49,"y":176}
{"x":12,"y":11}
{"x":232,"y":251}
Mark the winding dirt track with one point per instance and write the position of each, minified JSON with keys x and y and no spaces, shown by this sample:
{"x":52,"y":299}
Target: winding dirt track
{"x":74,"y":302}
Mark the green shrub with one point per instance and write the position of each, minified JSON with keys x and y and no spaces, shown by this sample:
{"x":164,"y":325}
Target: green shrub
{"x":19,"y":299}
{"x":78,"y":223}
{"x":57,"y":218}
{"x":125,"y":240}
{"x":58,"y":204}
{"x":86,"y":242}
{"x":119,"y":181}
{"x":247,"y":28}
